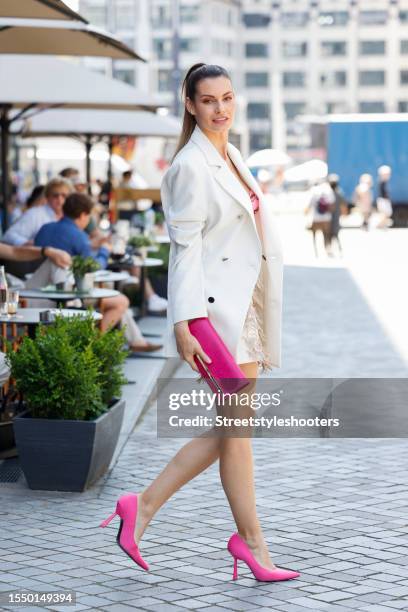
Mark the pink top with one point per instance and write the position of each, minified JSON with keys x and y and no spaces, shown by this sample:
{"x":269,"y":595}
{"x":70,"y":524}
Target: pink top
{"x":254,"y":200}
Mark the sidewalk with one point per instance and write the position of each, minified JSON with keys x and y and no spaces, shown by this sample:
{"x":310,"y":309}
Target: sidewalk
{"x":333,"y":509}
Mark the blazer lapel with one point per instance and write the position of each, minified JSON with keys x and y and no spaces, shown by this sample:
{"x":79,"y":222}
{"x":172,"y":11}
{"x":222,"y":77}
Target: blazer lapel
{"x":223,"y":174}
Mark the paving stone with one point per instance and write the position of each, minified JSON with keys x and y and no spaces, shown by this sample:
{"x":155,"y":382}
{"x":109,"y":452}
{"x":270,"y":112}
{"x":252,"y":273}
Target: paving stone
{"x":332,"y":596}
{"x":310,"y":603}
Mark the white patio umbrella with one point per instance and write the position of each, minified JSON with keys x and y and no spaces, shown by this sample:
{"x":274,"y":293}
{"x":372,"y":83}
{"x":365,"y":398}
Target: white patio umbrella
{"x":268,"y":158}
{"x":311,"y":171}
{"x":67,"y":122}
{"x":46,"y":36}
{"x":32,"y":83}
{"x":38,"y":9}
{"x":92,"y":126}
{"x":41,"y":82}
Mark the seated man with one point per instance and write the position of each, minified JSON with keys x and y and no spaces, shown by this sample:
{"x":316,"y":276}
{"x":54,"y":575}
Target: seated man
{"x":68,"y":234}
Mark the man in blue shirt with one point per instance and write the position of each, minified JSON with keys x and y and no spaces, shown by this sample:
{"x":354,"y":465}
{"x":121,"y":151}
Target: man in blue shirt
{"x":68,"y":234}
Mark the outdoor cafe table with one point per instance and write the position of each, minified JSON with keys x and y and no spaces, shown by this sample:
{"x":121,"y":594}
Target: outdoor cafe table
{"x":107,"y":276}
{"x":147,"y":262}
{"x":31,"y":318}
{"x":66,"y":296}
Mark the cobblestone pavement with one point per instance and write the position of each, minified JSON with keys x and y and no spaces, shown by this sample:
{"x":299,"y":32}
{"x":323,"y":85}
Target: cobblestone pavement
{"x":333,"y":509}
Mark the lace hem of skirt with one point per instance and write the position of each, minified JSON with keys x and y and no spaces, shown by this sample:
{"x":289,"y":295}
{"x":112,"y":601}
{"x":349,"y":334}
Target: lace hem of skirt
{"x":253,"y":333}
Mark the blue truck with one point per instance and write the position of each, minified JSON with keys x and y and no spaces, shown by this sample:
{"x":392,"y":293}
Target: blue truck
{"x":360,"y":143}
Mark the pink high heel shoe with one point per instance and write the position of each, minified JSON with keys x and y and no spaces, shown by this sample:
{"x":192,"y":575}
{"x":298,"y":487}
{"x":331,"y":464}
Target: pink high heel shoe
{"x":126,"y":509}
{"x":239,"y":549}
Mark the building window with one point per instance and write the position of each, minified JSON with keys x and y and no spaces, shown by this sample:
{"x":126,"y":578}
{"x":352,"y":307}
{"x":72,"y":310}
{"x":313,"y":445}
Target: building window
{"x":372,"y":47}
{"x":125,"y":15}
{"x":256,"y":50}
{"x":333,"y":48}
{"x":190,"y":45}
{"x":372,"y":107}
{"x":336,"y":107}
{"x":161,"y":16}
{"x":333,"y":78}
{"x":162,"y":48}
{"x":292,"y":109}
{"x":404,"y":47}
{"x":190,"y":13}
{"x":258,"y":110}
{"x":259,"y":141}
{"x":256,"y":79}
{"x":294,"y":20}
{"x":404,"y":77}
{"x":222,"y":47}
{"x":294,"y":79}
{"x":164,"y":80}
{"x":294,"y":49}
{"x":127,"y":75}
{"x":403,"y":106}
{"x":256,"y":20}
{"x":333,"y":18}
{"x":403,"y":16}
{"x":221,"y":14}
{"x":373,"y":17}
{"x":372,"y":77}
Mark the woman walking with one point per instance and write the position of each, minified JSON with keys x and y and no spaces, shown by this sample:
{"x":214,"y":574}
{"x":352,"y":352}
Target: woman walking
{"x":226,"y":264}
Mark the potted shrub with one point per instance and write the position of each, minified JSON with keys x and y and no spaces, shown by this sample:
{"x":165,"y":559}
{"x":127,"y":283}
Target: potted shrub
{"x":82,"y":268}
{"x":140,"y":244}
{"x":70,"y":377}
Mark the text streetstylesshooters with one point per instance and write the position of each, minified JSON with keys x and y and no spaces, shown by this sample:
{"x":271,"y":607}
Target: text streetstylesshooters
{"x":223,"y":421}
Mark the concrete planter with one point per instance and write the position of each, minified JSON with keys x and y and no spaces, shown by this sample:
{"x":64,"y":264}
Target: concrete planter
{"x":67,"y":455}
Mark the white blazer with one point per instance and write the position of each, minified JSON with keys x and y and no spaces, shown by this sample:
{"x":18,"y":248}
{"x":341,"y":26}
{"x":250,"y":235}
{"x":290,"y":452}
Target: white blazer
{"x":215,"y":252}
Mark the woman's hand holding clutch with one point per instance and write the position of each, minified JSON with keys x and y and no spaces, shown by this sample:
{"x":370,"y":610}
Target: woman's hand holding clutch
{"x":188,"y":345}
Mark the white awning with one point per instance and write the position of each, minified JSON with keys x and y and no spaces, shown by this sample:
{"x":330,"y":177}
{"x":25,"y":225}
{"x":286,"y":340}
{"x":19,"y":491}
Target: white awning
{"x":45,"y":81}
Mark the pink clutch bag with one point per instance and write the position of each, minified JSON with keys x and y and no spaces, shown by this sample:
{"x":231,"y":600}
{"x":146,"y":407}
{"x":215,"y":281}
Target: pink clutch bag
{"x":223,"y":374}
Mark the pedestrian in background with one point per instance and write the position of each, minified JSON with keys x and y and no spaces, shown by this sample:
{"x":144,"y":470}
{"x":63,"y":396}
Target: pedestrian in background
{"x":320,"y":207}
{"x":384,"y":204}
{"x":363,"y":198}
{"x":339,"y":208}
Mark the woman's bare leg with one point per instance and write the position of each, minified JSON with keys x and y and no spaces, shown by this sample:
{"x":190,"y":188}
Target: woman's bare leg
{"x":235,"y":456}
{"x":237,"y":477}
{"x":192,"y":459}
{"x":112,"y":310}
